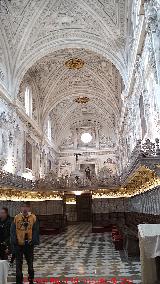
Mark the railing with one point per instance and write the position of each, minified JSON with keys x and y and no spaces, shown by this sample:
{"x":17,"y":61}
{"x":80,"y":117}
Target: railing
{"x":71,"y":183}
{"x":103,"y":179}
{"x":10,"y":180}
{"x":142,"y":151}
{"x":52,"y":182}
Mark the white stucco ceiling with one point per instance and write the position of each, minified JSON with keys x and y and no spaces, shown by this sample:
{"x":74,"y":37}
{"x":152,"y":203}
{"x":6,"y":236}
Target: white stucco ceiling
{"x":37,"y":37}
{"x":57,"y":88}
{"x":32,"y":29}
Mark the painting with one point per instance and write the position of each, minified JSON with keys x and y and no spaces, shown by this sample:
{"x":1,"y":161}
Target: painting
{"x":88,"y":170}
{"x":28,"y":155}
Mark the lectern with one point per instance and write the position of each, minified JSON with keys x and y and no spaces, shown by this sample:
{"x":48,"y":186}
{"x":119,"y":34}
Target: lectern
{"x":149,"y":242}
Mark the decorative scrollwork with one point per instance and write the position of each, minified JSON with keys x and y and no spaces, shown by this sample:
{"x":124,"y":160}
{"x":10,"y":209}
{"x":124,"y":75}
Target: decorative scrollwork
{"x":74,"y":63}
{"x":82,"y":100}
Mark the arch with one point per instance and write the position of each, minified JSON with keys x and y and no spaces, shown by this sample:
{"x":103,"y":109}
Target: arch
{"x":60,"y":45}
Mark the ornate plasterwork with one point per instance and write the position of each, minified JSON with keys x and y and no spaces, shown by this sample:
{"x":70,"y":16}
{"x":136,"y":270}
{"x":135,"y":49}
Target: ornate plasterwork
{"x":82,"y":100}
{"x":37,"y":38}
{"x":30,"y":82}
{"x":55,"y":89}
{"x":74,"y":63}
{"x":142,"y":109}
{"x":11,"y":152}
{"x":98,"y":75}
{"x":14,"y":132}
{"x":69,"y":115}
{"x":32,"y":29}
{"x":52,"y":16}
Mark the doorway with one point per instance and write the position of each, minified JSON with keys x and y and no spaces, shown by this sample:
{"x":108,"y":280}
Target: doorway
{"x":84,"y":207}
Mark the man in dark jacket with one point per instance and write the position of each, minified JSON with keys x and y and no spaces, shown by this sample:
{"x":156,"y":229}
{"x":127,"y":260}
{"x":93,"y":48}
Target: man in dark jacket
{"x":5,"y":223}
{"x":24,"y":236}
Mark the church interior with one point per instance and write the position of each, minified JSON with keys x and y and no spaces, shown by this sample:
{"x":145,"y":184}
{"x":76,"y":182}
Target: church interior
{"x":79,"y":134}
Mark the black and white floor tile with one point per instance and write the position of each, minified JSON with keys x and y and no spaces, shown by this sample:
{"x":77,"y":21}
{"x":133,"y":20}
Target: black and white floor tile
{"x":79,"y":253}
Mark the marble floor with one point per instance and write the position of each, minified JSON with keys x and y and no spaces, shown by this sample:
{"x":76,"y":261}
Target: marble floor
{"x":79,"y":253}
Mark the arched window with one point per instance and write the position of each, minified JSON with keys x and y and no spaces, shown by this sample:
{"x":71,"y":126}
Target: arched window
{"x":28,"y":101}
{"x":49,"y":130}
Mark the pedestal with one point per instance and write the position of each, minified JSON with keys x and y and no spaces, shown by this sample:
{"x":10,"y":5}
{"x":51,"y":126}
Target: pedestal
{"x":149,"y":242}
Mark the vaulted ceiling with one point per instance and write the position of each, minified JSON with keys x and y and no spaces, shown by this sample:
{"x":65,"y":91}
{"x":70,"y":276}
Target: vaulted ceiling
{"x":38,"y":37}
{"x":30,"y":29}
{"x":58,"y":87}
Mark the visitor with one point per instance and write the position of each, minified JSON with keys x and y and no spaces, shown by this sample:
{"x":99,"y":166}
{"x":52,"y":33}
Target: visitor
{"x":5,"y":223}
{"x":24,"y":236}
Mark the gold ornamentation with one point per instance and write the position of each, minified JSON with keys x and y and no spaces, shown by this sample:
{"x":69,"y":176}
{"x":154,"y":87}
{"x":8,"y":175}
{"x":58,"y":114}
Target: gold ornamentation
{"x":70,"y":200}
{"x":74,"y":63}
{"x":21,"y":195}
{"x":82,"y":100}
{"x":141,"y":181}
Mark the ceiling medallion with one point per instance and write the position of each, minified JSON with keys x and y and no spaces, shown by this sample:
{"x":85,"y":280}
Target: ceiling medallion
{"x":74,"y":63}
{"x":82,"y":100}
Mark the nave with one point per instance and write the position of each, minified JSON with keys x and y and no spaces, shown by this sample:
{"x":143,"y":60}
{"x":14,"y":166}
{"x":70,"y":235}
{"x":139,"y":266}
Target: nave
{"x":80,"y":138}
{"x":79,"y":253}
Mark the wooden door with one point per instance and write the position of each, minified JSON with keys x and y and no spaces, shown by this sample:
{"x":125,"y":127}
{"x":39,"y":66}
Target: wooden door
{"x":84,"y":205}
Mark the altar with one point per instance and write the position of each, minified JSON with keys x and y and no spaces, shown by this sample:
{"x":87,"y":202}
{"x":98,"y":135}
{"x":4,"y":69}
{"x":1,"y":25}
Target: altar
{"x":149,"y":242}
{"x":4,"y":266}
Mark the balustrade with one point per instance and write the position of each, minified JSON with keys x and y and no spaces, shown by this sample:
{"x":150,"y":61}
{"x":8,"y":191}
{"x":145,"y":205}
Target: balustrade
{"x":101,"y":180}
{"x":11,"y":180}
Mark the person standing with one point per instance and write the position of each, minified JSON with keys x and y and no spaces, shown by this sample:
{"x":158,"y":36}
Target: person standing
{"x":24,"y":236}
{"x":88,"y":173}
{"x":5,"y":224}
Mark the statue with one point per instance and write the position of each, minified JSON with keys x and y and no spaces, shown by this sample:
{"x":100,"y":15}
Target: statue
{"x":88,"y":173}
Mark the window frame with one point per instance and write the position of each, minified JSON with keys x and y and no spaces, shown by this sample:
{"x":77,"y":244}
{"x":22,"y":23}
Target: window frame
{"x":28,"y":101}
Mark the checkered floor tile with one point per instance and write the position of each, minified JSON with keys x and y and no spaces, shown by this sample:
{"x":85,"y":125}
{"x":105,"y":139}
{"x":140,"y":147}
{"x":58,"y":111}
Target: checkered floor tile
{"x":79,"y":253}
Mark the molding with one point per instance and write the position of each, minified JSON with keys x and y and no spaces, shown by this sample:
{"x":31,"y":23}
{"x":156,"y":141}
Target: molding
{"x":21,"y":112}
{"x":5,"y":94}
{"x":138,"y":48}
